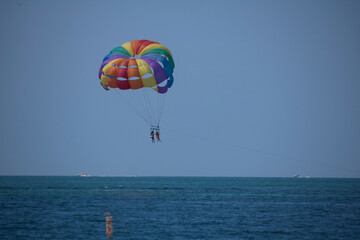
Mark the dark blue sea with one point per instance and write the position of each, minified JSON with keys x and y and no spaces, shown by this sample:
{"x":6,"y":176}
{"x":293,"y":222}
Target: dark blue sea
{"x":179,"y":208}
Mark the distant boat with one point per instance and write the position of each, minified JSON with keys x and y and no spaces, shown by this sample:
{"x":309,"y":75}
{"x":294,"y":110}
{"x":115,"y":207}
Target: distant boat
{"x":299,"y":176}
{"x":83,"y":175}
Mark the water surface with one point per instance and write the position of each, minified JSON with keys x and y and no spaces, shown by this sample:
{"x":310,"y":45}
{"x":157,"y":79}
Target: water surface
{"x":179,"y":208}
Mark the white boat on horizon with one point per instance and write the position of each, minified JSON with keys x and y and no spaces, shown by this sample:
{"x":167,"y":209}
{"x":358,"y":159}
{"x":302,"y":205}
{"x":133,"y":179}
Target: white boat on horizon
{"x":299,"y":176}
{"x":83,"y":175}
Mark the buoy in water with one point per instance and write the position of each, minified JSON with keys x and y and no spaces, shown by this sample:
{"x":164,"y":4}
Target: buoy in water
{"x":109,"y":226}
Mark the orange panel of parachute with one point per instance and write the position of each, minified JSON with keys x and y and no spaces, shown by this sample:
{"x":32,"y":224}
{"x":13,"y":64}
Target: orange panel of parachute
{"x":134,"y":75}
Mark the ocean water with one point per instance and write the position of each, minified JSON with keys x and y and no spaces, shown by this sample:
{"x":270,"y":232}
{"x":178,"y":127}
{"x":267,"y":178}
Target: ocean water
{"x":179,"y":208}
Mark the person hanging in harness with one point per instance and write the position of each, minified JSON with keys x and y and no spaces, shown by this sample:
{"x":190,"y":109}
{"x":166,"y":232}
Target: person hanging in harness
{"x":152,"y":135}
{"x":157,"y":134}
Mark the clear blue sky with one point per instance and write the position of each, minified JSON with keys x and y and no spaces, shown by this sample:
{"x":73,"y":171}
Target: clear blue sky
{"x":262,"y":88}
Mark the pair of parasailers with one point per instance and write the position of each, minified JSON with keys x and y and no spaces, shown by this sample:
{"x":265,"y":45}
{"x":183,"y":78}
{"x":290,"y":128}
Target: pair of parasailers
{"x":157,"y":134}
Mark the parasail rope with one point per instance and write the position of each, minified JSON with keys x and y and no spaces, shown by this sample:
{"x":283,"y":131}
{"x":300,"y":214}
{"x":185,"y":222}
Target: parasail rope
{"x":133,"y":106}
{"x":162,"y":103}
{"x":146,"y":104}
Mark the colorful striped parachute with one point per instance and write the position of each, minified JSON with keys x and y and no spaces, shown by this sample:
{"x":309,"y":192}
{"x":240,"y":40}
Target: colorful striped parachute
{"x":139,"y":67}
{"x":138,"y":64}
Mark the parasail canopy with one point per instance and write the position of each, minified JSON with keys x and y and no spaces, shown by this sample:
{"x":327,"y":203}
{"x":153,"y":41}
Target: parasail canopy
{"x":138,"y":64}
{"x":141,"y":72}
